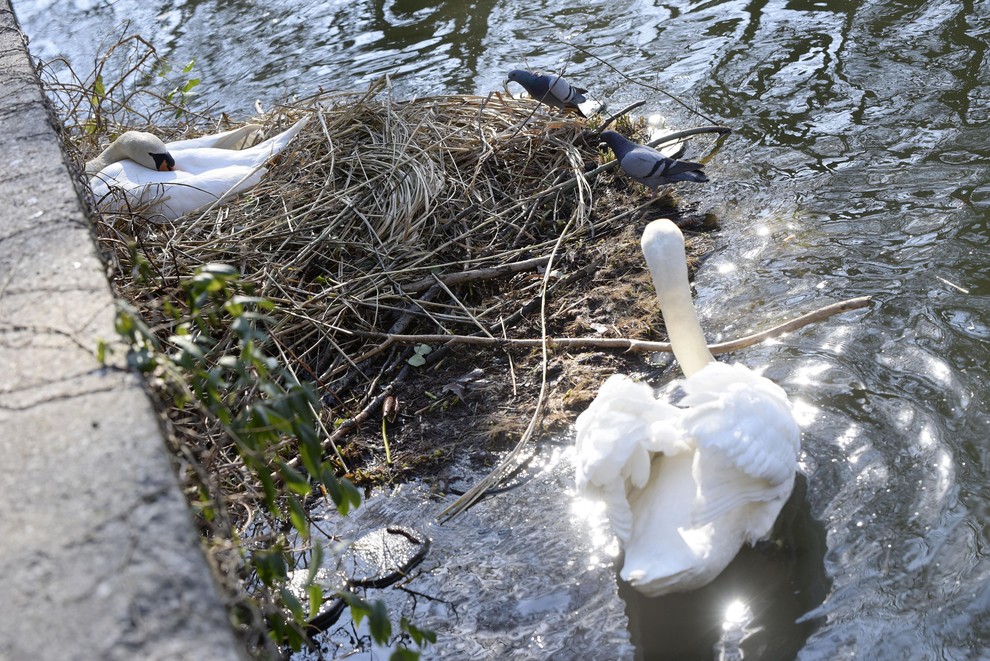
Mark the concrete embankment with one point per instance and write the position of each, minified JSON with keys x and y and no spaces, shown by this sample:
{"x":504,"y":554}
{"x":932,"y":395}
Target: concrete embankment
{"x":99,"y":558}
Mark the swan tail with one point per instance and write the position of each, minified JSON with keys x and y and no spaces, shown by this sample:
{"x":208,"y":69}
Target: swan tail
{"x":277,"y":143}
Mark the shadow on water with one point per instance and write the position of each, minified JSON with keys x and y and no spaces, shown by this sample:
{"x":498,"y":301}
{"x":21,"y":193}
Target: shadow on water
{"x":753,"y":610}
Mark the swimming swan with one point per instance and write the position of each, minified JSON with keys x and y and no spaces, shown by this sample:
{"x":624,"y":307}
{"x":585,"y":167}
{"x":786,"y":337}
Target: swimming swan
{"x":181,"y":177}
{"x":686,"y":486}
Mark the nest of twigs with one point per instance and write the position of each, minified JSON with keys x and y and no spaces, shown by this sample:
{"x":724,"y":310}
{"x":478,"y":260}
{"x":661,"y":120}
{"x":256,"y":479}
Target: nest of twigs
{"x":383,"y":217}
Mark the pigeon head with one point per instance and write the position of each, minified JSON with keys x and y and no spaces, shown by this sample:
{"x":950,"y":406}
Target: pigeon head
{"x":522,"y":77}
{"x":617,"y":143}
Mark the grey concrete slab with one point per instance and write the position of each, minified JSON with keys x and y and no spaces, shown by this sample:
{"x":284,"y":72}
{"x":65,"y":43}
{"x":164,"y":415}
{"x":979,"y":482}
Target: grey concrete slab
{"x":99,"y":558}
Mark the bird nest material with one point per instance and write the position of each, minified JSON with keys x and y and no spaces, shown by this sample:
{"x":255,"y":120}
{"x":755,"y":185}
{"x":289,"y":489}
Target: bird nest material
{"x":388,"y":218}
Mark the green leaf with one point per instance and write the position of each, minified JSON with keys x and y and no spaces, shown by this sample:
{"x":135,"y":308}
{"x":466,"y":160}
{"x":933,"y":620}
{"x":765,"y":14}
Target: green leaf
{"x":271,"y":494}
{"x":378,"y":622}
{"x":260,"y":301}
{"x":297,"y":515}
{"x":311,"y":454}
{"x":404,"y":654}
{"x":270,"y":565}
{"x":190,"y":353}
{"x":345,"y":495}
{"x":293,"y":603}
{"x":315,"y":594}
{"x":313,"y":590}
{"x":418,"y":359}
{"x":419,"y":636}
{"x":219,"y":269}
{"x":359,"y":607}
{"x":232,"y":363}
{"x":296,"y":482}
{"x":189,"y":67}
{"x":124,"y":325}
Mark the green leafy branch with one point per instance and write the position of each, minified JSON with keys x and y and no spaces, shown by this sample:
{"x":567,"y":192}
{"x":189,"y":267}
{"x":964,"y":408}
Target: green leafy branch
{"x":213,"y":359}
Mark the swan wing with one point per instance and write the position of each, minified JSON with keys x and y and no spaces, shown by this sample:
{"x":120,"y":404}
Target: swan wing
{"x":187,"y":195}
{"x":200,"y":160}
{"x":617,"y":436}
{"x":747,"y":440}
{"x":239,"y":138}
{"x":619,"y":431}
{"x":618,"y":510}
{"x":171,"y":194}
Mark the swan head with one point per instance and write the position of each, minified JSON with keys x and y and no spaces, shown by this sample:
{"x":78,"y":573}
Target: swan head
{"x":145,"y":149}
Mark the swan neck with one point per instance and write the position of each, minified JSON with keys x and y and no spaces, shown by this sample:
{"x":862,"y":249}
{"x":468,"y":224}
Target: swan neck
{"x":663,"y":246}
{"x":109,"y":155}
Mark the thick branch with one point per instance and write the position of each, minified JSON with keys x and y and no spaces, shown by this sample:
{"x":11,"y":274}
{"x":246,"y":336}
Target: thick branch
{"x":628,"y":344}
{"x":489,"y":273}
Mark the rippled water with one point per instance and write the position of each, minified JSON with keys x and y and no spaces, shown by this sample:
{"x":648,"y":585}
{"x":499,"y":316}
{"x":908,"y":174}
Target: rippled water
{"x":860,"y":165}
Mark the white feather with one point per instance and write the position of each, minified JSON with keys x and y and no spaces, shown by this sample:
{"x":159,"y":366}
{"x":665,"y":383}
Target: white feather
{"x":204,"y":174}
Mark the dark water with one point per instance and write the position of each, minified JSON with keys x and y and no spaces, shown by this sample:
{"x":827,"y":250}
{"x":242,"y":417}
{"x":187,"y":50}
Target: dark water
{"x":860,"y":165}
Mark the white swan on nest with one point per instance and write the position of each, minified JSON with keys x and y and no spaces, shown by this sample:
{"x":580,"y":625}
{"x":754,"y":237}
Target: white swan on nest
{"x":686,"y":486}
{"x":184,"y":176}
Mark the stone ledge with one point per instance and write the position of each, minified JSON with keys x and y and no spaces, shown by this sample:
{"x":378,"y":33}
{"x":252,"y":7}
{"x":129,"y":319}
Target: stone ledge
{"x":99,"y":558}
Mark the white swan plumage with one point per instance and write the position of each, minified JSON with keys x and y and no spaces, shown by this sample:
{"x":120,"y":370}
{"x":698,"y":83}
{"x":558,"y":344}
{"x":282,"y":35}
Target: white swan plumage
{"x":176,"y":178}
{"x":686,"y":486}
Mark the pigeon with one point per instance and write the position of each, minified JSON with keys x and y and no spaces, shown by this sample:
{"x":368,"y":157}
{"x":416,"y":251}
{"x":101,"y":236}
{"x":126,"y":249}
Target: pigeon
{"x":648,"y":166}
{"x":550,"y":89}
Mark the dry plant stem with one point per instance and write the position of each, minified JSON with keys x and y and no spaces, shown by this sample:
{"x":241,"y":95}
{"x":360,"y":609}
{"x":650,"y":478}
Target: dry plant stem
{"x":476,"y":274}
{"x":634,"y":81}
{"x":644,"y":346}
{"x":625,"y":111}
{"x":475,"y":493}
{"x":401,"y":323}
{"x":463,"y":307}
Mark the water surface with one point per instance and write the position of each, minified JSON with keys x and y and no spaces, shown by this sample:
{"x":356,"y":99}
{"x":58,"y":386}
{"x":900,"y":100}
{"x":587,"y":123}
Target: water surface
{"x":860,"y":165}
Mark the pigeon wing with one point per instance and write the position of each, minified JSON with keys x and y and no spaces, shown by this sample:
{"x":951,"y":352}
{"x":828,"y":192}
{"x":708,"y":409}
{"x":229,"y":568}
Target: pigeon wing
{"x":642,"y":162}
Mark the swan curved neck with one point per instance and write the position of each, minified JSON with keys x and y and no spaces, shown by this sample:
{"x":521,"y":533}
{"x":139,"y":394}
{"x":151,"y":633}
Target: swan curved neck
{"x":663,"y":247}
{"x":109,"y":155}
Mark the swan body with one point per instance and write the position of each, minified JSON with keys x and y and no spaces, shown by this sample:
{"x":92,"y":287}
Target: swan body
{"x":648,"y":166}
{"x":550,"y":89}
{"x":686,"y":486}
{"x":203,"y":170}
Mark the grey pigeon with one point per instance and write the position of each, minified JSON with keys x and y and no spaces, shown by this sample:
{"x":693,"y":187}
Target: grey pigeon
{"x":648,"y":166}
{"x":550,"y":89}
